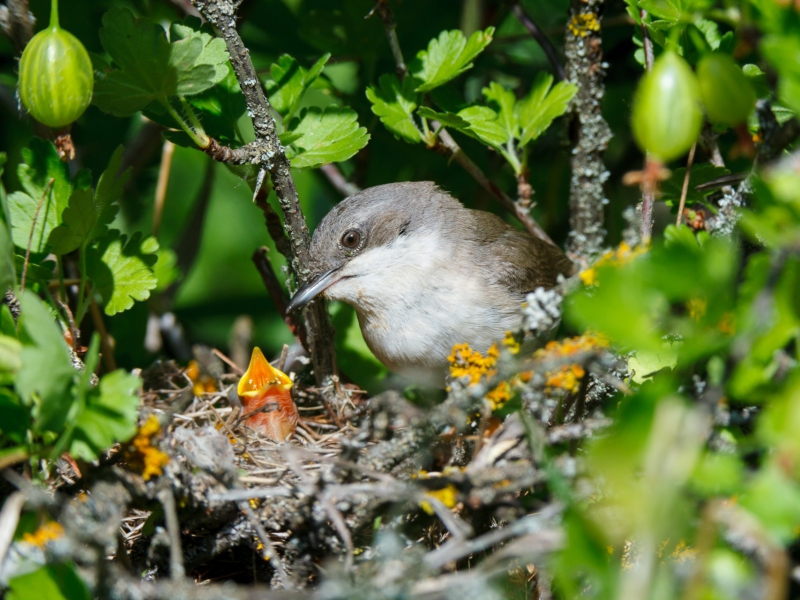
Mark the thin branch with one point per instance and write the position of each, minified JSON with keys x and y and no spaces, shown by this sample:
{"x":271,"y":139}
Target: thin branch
{"x":685,"y":189}
{"x":106,"y":342}
{"x":161,"y":186}
{"x":276,"y":293}
{"x":446,"y":145}
{"x":537,"y":34}
{"x":338,"y":181}
{"x":271,"y":157}
{"x":387,"y":17}
{"x":167,"y":499}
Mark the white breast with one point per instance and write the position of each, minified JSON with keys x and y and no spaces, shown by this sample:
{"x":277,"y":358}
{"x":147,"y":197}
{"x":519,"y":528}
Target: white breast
{"x":414,"y":303}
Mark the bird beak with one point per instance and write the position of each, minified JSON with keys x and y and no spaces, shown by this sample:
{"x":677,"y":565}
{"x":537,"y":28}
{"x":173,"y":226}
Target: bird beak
{"x":311,"y":290}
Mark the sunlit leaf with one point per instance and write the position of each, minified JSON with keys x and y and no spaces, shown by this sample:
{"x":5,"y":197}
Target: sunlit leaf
{"x":121,"y":269}
{"x":328,"y":135}
{"x":394,"y":102}
{"x":448,"y":56}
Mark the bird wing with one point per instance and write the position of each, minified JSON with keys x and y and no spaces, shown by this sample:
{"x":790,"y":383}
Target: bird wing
{"x":525,"y":262}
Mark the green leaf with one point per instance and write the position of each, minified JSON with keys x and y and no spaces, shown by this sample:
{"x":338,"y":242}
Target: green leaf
{"x":662,"y":9}
{"x":108,"y":416}
{"x":394,"y":103}
{"x":152,"y":68}
{"x":538,"y":109}
{"x":16,"y":417}
{"x":485,"y":126}
{"x":502,"y":102}
{"x":39,"y":207}
{"x":213,"y":54}
{"x":53,"y":582}
{"x":329,"y":135}
{"x":88,"y":215}
{"x":46,"y":373}
{"x":447,"y":119}
{"x":166,"y":269}
{"x":7,"y":267}
{"x":448,"y":56}
{"x":289,"y":83}
{"x":10,"y":353}
{"x":220,"y":109}
{"x":121,"y":270}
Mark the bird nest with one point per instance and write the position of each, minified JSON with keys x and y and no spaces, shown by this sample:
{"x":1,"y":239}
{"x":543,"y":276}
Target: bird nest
{"x":375,"y":497}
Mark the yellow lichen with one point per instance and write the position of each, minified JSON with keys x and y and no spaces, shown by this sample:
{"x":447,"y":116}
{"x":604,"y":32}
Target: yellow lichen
{"x":500,"y":395}
{"x":201,"y":383}
{"x":466,"y":362}
{"x":568,"y":376}
{"x":448,"y":496}
{"x":622,"y":255}
{"x":683,"y":553}
{"x":46,"y":533}
{"x":511,"y":344}
{"x":151,"y":459}
{"x":580,"y":25}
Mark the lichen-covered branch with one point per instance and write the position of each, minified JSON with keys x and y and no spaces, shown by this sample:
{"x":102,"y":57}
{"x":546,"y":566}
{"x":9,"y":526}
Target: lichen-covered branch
{"x":584,"y":53}
{"x":268,"y":153}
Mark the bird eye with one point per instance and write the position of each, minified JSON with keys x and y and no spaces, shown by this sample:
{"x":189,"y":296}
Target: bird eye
{"x":351,"y":239}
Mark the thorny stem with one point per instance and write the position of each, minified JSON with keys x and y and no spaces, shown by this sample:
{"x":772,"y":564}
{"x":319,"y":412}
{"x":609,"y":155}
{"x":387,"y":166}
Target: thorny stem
{"x":390,"y":26}
{"x":33,"y":229}
{"x":271,"y":157}
{"x":445,"y":144}
{"x":537,"y":34}
{"x":685,"y":189}
{"x":584,"y":53}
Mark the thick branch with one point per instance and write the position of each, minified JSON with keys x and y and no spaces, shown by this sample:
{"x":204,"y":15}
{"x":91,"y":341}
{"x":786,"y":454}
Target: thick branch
{"x":268,"y":152}
{"x":584,"y":53}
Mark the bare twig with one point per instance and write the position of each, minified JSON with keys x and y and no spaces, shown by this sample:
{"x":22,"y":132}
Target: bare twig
{"x":9,"y":517}
{"x":338,"y":181}
{"x":446,"y":145}
{"x":537,"y":34}
{"x":387,"y":17}
{"x":583,"y":49}
{"x":269,"y":154}
{"x":106,"y":343}
{"x":685,"y":189}
{"x":276,"y":293}
{"x":167,"y":500}
{"x":161,"y":186}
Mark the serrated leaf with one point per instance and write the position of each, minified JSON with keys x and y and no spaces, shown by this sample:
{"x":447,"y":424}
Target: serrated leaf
{"x":46,"y":372}
{"x":448,"y":56}
{"x":121,"y":270}
{"x":447,"y":119}
{"x":663,"y":9}
{"x":88,"y":215}
{"x":485,"y":126}
{"x":166,"y":268}
{"x":213,"y":54}
{"x":290,"y":81}
{"x":152,"y":68}
{"x":503,"y":104}
{"x":394,"y":103}
{"x":220,"y":109}
{"x":328,"y":135}
{"x":538,"y":109}
{"x":39,"y":207}
{"x":109,"y":415}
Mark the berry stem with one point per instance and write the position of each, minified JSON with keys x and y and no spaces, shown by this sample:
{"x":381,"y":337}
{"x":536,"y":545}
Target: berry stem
{"x":54,"y":14}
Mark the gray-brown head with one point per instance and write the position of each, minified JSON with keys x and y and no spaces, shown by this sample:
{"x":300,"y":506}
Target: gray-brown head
{"x":360,"y":226}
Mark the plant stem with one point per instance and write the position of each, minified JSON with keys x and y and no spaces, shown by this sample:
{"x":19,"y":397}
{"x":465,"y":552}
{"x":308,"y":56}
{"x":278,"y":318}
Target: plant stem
{"x":685,"y":189}
{"x":198,"y":127}
{"x":200,"y":142}
{"x":54,"y":14}
{"x":82,"y":295}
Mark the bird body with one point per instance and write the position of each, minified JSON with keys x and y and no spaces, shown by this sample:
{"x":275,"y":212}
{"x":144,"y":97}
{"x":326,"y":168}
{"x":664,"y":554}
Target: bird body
{"x":425,"y":273}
